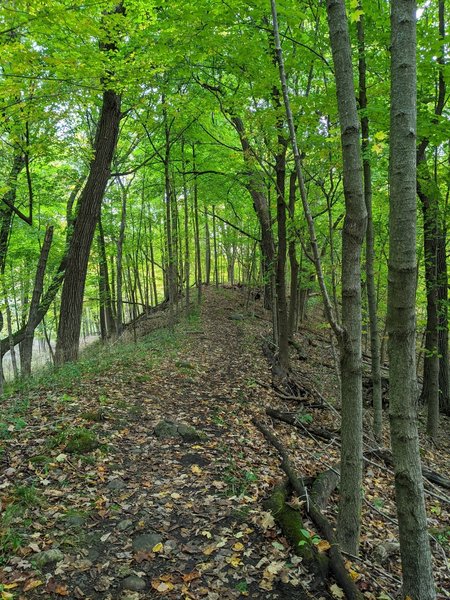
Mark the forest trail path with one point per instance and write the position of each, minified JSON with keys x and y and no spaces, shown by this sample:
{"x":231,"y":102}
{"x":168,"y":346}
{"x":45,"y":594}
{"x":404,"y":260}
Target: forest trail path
{"x":103,"y":499}
{"x":162,"y":516}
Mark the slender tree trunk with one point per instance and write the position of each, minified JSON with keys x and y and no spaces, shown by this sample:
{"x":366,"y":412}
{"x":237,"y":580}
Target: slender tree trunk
{"x":282,"y":316}
{"x":370,"y":241}
{"x":120,"y":243}
{"x":207,"y":250}
{"x":216,"y":267}
{"x":26,"y":353}
{"x":430,"y":209}
{"x":198,"y":256}
{"x":105,"y":291}
{"x":353,"y":235}
{"x":187,"y":265}
{"x":84,"y":227}
{"x":10,"y":338}
{"x":444,"y":365}
{"x":414,"y":542}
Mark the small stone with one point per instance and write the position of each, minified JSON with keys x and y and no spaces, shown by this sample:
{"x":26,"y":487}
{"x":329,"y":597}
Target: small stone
{"x":47,"y":557}
{"x":189,"y":433}
{"x":125,"y":524}
{"x":146,"y":541}
{"x":134,"y":583}
{"x":116,"y":485}
{"x":166,"y":429}
{"x":236,"y":317}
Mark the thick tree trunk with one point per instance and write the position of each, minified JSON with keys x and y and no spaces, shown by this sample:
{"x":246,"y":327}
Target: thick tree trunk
{"x":26,"y":346}
{"x":414,"y":542}
{"x":353,"y":235}
{"x":84,"y":227}
{"x":370,"y":241}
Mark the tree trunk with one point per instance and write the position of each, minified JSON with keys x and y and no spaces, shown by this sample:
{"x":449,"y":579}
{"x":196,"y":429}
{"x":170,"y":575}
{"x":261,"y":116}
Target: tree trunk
{"x":216,"y":267}
{"x":293,"y":262}
{"x":429,"y":198}
{"x":120,"y":242}
{"x":352,"y":238}
{"x":105,"y":290}
{"x":370,"y":241}
{"x":281,"y":304}
{"x":26,"y":346}
{"x":261,"y":206}
{"x":207,"y":250}
{"x":444,"y":387}
{"x":84,"y":227}
{"x":412,"y":518}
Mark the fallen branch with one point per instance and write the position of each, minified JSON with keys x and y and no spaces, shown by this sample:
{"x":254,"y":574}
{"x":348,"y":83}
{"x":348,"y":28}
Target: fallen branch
{"x":337,"y":562}
{"x":386,"y":456}
{"x":290,"y":419}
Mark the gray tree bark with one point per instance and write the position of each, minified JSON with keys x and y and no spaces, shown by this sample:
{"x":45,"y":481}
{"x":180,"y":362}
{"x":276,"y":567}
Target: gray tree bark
{"x":414,"y":543}
{"x":352,"y":239}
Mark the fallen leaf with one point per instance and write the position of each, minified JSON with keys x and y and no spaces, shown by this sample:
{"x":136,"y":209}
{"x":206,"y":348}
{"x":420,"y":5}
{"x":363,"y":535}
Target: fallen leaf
{"x":196,"y":470}
{"x":188,"y":577}
{"x":159,"y":547}
{"x":337,"y":591}
{"x":323,"y":546}
{"x":31,"y":584}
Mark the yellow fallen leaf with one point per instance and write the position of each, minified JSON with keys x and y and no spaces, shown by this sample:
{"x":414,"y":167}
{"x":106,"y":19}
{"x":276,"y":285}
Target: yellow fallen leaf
{"x":323,"y":546}
{"x":175,"y":496}
{"x":7,"y":596}
{"x":10,"y":586}
{"x":235,"y":561}
{"x":159,"y":547}
{"x":209,"y":550}
{"x":162,"y":586}
{"x":32,"y":584}
{"x":238,"y":547}
{"x":196,"y":470}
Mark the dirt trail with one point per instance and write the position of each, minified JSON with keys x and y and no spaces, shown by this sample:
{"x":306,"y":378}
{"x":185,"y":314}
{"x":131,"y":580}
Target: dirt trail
{"x":163,"y":516}
{"x":143,"y":477}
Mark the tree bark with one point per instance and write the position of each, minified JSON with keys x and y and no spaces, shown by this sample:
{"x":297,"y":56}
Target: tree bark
{"x":26,"y":350}
{"x":370,"y":240}
{"x":84,"y":227}
{"x":414,"y":543}
{"x":349,"y":517}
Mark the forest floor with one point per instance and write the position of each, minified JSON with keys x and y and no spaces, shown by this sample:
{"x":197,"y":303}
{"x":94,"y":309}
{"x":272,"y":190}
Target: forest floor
{"x":104,"y":498}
